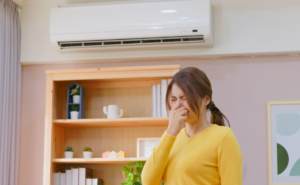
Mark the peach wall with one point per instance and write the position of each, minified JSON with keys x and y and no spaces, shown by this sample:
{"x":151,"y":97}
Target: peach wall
{"x":241,"y":89}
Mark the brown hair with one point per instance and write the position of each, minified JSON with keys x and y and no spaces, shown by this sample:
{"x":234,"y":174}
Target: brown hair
{"x":195,"y":84}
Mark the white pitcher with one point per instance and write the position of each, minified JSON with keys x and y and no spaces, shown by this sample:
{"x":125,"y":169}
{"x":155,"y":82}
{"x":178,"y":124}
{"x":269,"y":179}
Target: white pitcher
{"x":113,"y":111}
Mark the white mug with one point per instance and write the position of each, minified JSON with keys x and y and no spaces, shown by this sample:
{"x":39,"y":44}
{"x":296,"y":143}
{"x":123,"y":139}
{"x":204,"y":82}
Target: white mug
{"x":113,"y":111}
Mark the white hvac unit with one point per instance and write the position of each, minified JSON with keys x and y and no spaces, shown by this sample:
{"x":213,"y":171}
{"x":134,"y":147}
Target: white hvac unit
{"x":131,"y":24}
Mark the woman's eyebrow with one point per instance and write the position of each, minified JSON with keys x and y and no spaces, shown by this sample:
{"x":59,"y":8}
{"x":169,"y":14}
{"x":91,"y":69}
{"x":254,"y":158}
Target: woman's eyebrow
{"x":175,"y":96}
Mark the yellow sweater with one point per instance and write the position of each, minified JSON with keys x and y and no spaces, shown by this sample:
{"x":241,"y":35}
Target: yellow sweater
{"x":211,"y":157}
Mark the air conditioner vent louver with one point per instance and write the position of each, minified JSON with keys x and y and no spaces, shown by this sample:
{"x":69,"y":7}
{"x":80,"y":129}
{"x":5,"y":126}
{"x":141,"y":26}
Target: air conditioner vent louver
{"x":67,"y":45}
{"x":151,"y":41}
{"x":192,"y":39}
{"x":171,"y":40}
{"x":132,"y":42}
{"x":92,"y":43}
{"x":113,"y":43}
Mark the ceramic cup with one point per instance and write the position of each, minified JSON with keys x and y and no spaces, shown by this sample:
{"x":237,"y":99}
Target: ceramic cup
{"x":112,"y":111}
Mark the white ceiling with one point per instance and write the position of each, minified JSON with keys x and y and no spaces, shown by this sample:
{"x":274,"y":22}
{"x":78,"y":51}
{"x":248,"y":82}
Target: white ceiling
{"x":31,"y":2}
{"x":248,"y":4}
{"x":228,"y":2}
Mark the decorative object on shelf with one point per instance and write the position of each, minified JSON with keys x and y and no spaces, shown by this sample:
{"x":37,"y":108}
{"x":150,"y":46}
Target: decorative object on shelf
{"x":74,"y":111}
{"x":113,"y":155}
{"x":87,"y":152}
{"x":121,"y":154}
{"x":145,"y":146}
{"x":105,"y":154}
{"x":133,"y":171}
{"x":113,"y":111}
{"x":69,"y":152}
{"x":284,"y":136}
{"x":75,"y":96}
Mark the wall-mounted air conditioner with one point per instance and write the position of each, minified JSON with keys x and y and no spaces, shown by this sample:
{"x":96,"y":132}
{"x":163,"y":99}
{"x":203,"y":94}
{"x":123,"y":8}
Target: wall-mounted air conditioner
{"x":131,"y":24}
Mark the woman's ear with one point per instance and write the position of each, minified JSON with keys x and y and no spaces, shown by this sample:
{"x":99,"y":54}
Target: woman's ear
{"x":207,"y":100}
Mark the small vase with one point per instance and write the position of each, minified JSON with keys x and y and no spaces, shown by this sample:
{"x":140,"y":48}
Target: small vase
{"x":74,"y":114}
{"x":68,"y":154}
{"x":76,"y":98}
{"x":87,"y":154}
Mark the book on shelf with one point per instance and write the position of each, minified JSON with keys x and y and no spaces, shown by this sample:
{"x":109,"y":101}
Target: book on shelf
{"x":158,"y":101}
{"x":84,"y":173}
{"x":88,"y":182}
{"x":169,"y":80}
{"x":59,"y":178}
{"x":68,"y":177}
{"x":62,"y":179}
{"x":56,"y":178}
{"x":96,"y":181}
{"x":75,"y":176}
{"x":153,"y":102}
{"x":163,"y":90}
{"x":158,"y":98}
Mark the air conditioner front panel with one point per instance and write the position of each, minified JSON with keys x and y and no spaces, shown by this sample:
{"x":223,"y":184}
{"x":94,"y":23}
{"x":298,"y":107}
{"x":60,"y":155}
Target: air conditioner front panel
{"x":128,"y":35}
{"x":131,"y":17}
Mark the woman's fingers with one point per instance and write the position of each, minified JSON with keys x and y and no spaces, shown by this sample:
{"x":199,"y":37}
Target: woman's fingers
{"x":182,"y":112}
{"x":183,"y":118}
{"x":176,"y":106}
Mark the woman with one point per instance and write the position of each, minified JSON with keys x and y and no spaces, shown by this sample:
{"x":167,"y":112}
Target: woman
{"x":202,"y":153}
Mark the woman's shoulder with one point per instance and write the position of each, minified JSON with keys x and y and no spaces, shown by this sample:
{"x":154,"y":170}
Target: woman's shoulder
{"x":216,"y":130}
{"x":222,"y":131}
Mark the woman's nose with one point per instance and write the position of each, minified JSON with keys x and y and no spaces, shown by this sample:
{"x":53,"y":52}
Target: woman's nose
{"x":180,"y":103}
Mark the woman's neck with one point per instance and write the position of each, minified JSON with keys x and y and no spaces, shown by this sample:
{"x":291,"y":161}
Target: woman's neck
{"x":193,"y":128}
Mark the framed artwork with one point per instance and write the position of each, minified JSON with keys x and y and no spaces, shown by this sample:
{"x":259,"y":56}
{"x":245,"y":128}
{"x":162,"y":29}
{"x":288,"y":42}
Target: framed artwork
{"x":145,"y":146}
{"x":284,"y":143}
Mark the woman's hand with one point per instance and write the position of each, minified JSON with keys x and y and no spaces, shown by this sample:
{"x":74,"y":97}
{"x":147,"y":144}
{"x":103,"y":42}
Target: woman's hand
{"x":177,"y":117}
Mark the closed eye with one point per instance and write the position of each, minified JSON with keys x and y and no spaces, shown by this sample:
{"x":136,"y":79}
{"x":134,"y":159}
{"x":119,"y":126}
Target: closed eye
{"x":173,"y":98}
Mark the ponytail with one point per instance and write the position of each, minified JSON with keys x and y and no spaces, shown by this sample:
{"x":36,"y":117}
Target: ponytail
{"x":216,"y":116}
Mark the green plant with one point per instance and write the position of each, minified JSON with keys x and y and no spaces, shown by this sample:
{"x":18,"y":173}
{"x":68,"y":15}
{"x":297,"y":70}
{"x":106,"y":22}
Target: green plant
{"x":69,"y":149}
{"x":133,"y":178}
{"x":87,"y":149}
{"x":74,"y":107}
{"x":75,"y":91}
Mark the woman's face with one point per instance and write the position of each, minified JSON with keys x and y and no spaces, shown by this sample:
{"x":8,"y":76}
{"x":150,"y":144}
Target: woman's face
{"x":178,"y":96}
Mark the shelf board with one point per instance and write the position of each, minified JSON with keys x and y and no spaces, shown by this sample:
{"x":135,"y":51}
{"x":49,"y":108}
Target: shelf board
{"x":99,"y":160}
{"x":118,"y":122}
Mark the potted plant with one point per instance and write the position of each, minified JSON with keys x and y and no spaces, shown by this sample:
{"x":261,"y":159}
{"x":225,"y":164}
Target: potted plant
{"x":74,"y":111}
{"x":76,"y":94}
{"x":69,"y":152}
{"x":87,"y":152}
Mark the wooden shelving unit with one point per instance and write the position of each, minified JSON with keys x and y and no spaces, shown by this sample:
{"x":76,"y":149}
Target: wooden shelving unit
{"x":118,"y":122}
{"x":99,"y":160}
{"x":130,"y":89}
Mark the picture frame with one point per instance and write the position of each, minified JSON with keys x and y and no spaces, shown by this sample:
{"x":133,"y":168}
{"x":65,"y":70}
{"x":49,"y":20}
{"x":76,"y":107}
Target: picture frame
{"x":283,"y":142}
{"x":143,"y":143}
